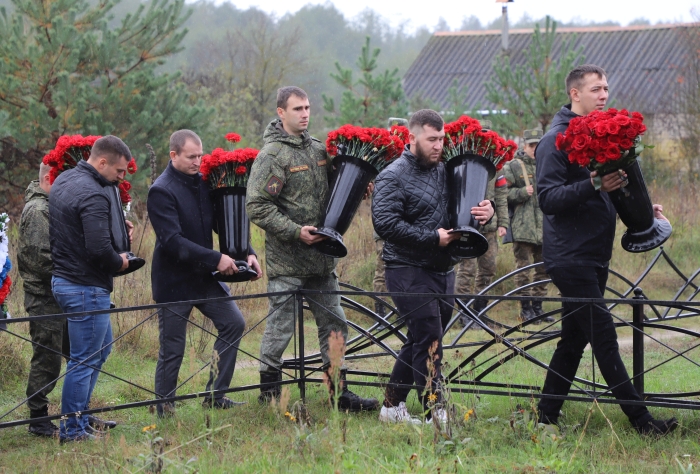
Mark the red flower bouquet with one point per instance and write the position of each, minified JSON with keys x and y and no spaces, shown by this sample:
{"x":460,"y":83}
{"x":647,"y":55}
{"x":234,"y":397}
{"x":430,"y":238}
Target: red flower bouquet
{"x":377,"y":146}
{"x":466,"y":136}
{"x":70,"y":149}
{"x":224,"y":169}
{"x":604,"y":141}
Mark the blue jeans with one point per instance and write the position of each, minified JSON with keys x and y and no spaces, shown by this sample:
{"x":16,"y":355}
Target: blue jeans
{"x":91,"y":338}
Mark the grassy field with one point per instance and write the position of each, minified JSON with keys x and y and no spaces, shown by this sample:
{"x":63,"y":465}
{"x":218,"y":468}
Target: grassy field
{"x":488,"y":433}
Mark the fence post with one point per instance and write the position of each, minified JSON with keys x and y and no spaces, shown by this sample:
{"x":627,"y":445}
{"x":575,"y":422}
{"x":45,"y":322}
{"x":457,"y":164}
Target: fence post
{"x":300,"y":320}
{"x":638,"y":343}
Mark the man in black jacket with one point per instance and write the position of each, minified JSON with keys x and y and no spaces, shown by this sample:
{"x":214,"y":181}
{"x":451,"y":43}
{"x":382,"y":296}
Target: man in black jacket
{"x":85,"y":262}
{"x":409,"y":211}
{"x":578,"y":233}
{"x":183,"y":265}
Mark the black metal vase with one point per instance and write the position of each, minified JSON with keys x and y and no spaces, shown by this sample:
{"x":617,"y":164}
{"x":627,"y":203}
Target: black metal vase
{"x":348,"y":186}
{"x":633,"y":205}
{"x":467,"y":178}
{"x":120,"y":236}
{"x":233,"y":226}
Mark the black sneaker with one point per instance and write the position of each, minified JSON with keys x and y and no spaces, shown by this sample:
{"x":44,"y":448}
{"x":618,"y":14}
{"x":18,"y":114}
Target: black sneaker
{"x":657,"y":427}
{"x":84,"y":436}
{"x":44,"y":428}
{"x":99,"y":424}
{"x":349,"y":401}
{"x":223,"y":403}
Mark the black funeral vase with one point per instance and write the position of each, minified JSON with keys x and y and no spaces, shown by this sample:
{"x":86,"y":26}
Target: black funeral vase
{"x":467,"y":178}
{"x":348,"y":185}
{"x":633,"y":205}
{"x":120,"y":236}
{"x":233,"y":226}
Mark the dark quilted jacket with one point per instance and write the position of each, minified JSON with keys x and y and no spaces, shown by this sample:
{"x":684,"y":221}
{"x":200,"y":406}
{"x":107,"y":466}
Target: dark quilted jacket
{"x":409,"y":205}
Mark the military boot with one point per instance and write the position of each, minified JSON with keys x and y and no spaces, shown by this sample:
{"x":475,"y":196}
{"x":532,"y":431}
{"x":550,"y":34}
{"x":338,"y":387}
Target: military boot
{"x":479,"y":305}
{"x":380,"y":309}
{"x":272,"y":389}
{"x":526,"y":312}
{"x":347,"y":400}
{"x":42,"y":428}
{"x":537,"y":309}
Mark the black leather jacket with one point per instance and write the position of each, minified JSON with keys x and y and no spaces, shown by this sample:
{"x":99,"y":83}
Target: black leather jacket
{"x":409,"y":205}
{"x":80,"y":222}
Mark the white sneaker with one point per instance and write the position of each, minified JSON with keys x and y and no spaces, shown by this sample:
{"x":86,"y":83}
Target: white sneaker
{"x":397,"y":414}
{"x":440,"y":414}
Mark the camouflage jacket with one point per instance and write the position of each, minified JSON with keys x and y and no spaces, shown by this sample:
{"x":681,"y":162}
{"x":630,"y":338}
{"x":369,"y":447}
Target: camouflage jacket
{"x":497,"y":192}
{"x":34,"y":253}
{"x":287,"y":189}
{"x":526,"y":225}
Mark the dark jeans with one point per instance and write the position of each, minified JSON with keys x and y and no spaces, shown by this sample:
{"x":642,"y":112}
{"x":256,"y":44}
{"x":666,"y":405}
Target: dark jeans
{"x":49,"y":341}
{"x":172,"y":322}
{"x":582,"y":324}
{"x":426,"y":319}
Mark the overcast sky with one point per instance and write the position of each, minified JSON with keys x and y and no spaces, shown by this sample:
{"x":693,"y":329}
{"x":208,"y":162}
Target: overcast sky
{"x":427,"y":13}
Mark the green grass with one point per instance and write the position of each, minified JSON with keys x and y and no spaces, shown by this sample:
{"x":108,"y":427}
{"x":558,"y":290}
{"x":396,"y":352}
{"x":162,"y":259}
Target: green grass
{"x":499,"y":437}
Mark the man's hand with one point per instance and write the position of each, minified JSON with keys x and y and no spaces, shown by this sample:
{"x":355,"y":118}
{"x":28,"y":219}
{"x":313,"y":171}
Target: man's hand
{"x":483,"y":212}
{"x":370,"y":190}
{"x":125,"y":262}
{"x":529,"y":190}
{"x":309,"y":238}
{"x":658,"y":209}
{"x":253,"y":263}
{"x":446,"y":238}
{"x":611,"y":181}
{"x":227,"y":266}
{"x":130,"y":230}
{"x":502,"y":231}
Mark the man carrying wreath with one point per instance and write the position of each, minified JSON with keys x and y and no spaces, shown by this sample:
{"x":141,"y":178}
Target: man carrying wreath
{"x":578,"y":233}
{"x":409,"y":211}
{"x":287,"y":190}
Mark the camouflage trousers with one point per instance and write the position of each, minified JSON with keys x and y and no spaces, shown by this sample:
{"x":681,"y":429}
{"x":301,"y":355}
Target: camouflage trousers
{"x":282,"y":316}
{"x":49,"y":344}
{"x":525,"y":254}
{"x":379,"y":281}
{"x":479,"y":271}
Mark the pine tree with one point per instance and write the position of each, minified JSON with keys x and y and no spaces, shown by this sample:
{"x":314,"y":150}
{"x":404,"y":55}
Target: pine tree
{"x":370,"y":100}
{"x":66,"y":70}
{"x":533,"y":92}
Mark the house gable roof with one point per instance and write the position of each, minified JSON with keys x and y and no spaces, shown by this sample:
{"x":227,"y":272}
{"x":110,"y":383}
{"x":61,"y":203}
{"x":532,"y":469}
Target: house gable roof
{"x":644,"y":63}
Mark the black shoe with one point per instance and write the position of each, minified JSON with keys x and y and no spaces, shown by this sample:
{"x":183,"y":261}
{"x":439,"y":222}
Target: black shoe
{"x":479,"y":305}
{"x":349,"y":401}
{"x":273,"y":389}
{"x":657,"y":427}
{"x":223,"y":403}
{"x":100,"y":425}
{"x":165,"y":410}
{"x":537,"y":310}
{"x":44,"y":428}
{"x":526,"y":312}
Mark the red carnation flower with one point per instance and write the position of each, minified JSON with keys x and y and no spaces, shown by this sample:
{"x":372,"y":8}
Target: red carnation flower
{"x":233,"y":137}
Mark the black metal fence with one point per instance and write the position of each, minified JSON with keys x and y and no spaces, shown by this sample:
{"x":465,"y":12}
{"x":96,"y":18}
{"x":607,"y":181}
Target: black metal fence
{"x":488,"y":341}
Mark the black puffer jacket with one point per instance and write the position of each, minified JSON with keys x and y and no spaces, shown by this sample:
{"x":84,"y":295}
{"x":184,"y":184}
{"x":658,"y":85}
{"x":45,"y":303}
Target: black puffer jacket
{"x":80,"y":219}
{"x":409,"y":205}
{"x":579,"y":222}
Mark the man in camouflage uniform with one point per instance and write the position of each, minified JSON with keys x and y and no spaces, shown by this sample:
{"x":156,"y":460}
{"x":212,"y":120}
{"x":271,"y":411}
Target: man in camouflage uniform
{"x":480,"y":271}
{"x":287,"y":190}
{"x":49,"y":337}
{"x":379,"y":281}
{"x":526,"y":225}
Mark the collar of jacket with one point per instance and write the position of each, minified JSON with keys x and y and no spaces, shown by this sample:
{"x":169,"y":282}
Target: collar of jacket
{"x":275,"y":132}
{"x":186,"y":179}
{"x":564,"y":116}
{"x":34,"y":191}
{"x":413,"y":160}
{"x":87,"y":167}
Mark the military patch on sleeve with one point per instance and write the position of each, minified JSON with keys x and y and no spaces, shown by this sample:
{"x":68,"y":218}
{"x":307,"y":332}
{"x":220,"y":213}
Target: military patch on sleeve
{"x":501,"y":181}
{"x":273,"y":186}
{"x":296,"y":169}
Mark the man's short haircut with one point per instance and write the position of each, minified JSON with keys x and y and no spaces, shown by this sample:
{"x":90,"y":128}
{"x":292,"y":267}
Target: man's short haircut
{"x":43,"y":170}
{"x":284,"y":93}
{"x":575,"y":78}
{"x":111,"y":148}
{"x":425,"y":117}
{"x":179,"y":138}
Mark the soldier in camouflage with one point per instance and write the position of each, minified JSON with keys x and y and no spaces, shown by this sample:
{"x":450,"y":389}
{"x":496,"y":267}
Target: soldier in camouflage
{"x":478,"y":273}
{"x":526,"y":225}
{"x":287,"y":191}
{"x":49,"y":337}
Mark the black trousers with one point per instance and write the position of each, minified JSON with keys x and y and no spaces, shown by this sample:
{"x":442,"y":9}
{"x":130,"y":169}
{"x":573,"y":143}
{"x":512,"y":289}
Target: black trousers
{"x":426,"y":319}
{"x":172,"y":322}
{"x":582,"y":324}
